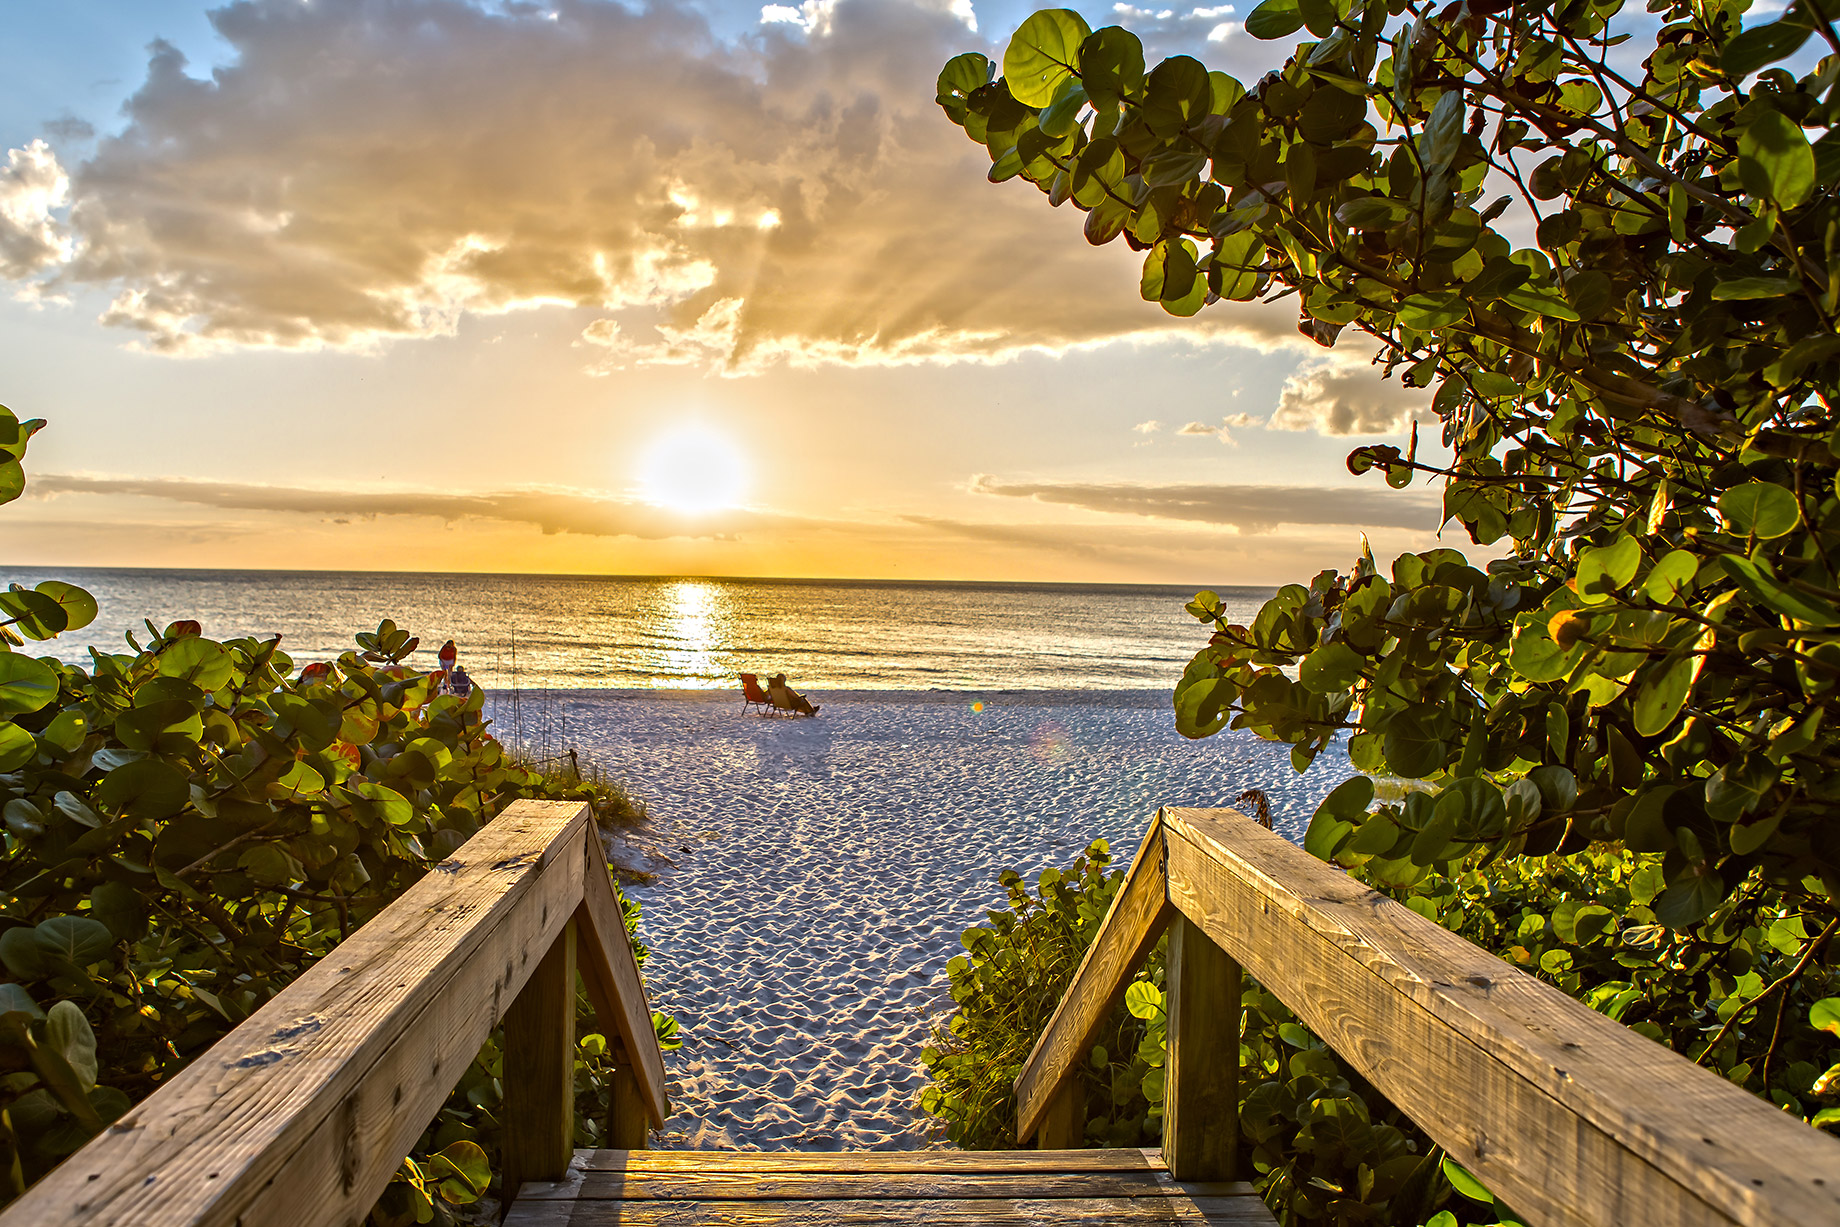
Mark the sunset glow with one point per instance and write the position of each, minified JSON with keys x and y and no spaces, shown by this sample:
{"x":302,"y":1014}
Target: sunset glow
{"x":694,"y":470}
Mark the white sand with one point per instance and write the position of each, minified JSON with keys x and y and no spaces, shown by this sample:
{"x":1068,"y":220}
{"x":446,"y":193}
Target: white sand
{"x":814,"y":875}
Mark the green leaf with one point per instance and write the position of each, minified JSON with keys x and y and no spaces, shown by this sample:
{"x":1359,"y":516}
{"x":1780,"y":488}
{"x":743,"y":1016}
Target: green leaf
{"x":146,"y":788}
{"x":1664,"y":691}
{"x":69,"y":1033}
{"x":1757,"y":580}
{"x":1759,"y":509}
{"x":1745,"y":288}
{"x":1604,"y":569}
{"x":77,"y":940}
{"x":1044,"y":53}
{"x":961,"y":75}
{"x":15,"y":1000}
{"x":12,"y":480}
{"x":1671,"y":576}
{"x":1824,"y":1015}
{"x":1541,"y":302}
{"x":1112,"y":63}
{"x":17,"y":747}
{"x":1760,"y":45}
{"x":1332,"y":668}
{"x":1177,"y":92}
{"x":1143,"y":999}
{"x":1274,"y":19}
{"x":1464,"y":1183}
{"x":1775,"y":159}
{"x":203,"y":662}
{"x":26,"y":684}
{"x":462,"y":1172}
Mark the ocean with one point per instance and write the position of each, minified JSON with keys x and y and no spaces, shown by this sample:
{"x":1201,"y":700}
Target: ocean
{"x":610,"y":633}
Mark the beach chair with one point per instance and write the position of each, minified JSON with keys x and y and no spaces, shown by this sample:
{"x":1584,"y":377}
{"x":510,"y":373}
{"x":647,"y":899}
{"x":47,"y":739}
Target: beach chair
{"x":752,"y":695}
{"x":784,"y":700}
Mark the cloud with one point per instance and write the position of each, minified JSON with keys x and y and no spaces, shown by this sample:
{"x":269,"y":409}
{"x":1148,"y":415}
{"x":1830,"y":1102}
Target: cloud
{"x":32,"y":187}
{"x":1224,"y":431}
{"x":1251,"y":509}
{"x":1148,"y":428}
{"x":1340,"y":396}
{"x":361,"y":171}
{"x":551,"y":511}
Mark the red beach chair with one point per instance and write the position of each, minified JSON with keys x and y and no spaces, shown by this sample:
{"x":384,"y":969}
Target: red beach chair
{"x":752,"y":695}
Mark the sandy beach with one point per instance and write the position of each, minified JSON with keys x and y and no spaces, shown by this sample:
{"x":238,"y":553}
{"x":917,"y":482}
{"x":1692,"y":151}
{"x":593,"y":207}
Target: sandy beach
{"x":813,"y":876}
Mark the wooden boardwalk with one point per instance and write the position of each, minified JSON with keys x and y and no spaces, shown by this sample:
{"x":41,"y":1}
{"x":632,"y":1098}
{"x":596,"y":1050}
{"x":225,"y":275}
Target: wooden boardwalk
{"x":302,"y":1114}
{"x":652,"y":1188}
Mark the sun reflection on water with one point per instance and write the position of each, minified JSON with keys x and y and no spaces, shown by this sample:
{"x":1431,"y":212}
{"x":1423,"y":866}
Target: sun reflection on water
{"x":690,"y":626}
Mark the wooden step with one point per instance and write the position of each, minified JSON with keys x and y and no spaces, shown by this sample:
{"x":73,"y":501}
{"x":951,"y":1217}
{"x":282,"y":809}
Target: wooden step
{"x":703,"y":1188}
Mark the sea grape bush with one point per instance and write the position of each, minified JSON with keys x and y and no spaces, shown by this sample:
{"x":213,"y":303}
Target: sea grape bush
{"x":1637,"y":406}
{"x":1614,"y":264}
{"x":1319,"y":1141}
{"x":190,"y":825}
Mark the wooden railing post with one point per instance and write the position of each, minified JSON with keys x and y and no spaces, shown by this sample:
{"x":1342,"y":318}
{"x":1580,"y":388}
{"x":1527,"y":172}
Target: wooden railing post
{"x":1201,"y":1096}
{"x":627,"y":1122}
{"x":1064,"y":1125}
{"x":539,"y":1071}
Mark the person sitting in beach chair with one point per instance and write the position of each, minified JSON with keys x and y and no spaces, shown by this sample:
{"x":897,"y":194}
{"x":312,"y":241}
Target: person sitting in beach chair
{"x":785,"y":699}
{"x":752,"y":695}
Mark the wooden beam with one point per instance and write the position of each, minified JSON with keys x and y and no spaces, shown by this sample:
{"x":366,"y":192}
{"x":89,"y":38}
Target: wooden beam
{"x":1063,"y":1125}
{"x":1096,"y":1159}
{"x":626,"y":1115}
{"x":538,"y":1135}
{"x":301,"y":1114}
{"x":614,"y":985}
{"x":1130,"y":931}
{"x":1201,"y":1096}
{"x":1566,"y":1115}
{"x":717,"y":1182}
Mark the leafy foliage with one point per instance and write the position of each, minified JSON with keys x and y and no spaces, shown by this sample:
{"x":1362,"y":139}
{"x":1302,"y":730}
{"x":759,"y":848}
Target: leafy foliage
{"x":192,"y":824}
{"x":1637,"y":406}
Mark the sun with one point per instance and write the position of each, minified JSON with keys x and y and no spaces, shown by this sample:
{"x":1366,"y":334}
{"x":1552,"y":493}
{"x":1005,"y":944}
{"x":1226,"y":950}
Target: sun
{"x":694,"y":469}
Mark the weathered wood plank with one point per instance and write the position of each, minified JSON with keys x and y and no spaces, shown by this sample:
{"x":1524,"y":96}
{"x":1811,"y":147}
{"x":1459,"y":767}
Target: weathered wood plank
{"x":1131,"y":929}
{"x":301,"y":1114}
{"x":538,"y":1138}
{"x":614,"y":985}
{"x":1201,"y":1100}
{"x":925,"y":1161}
{"x":719,"y":1183}
{"x":1173,"y":1211}
{"x":1570,"y":1117}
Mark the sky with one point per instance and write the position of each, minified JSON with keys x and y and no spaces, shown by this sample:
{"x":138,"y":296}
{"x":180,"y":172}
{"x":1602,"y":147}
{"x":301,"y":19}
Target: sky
{"x":691,"y":288}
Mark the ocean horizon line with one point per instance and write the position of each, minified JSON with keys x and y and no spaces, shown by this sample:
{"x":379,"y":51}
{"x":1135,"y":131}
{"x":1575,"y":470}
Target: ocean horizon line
{"x":812,"y":580}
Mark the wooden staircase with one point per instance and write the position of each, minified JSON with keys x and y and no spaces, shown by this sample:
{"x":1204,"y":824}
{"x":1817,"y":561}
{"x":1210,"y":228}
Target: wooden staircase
{"x":655,"y":1188}
{"x":301,"y":1115}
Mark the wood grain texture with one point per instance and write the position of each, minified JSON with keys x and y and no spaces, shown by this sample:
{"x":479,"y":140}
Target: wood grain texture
{"x":1188,"y":1212}
{"x":1130,"y":930}
{"x":1568,"y":1116}
{"x":929,"y":1161}
{"x":627,"y":1117}
{"x":1201,"y":1098}
{"x":538,"y":1138}
{"x":1063,"y":1125}
{"x":301,"y":1114}
{"x":611,"y":974}
{"x":717,"y":1183}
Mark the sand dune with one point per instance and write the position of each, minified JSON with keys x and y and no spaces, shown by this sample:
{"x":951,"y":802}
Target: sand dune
{"x":814,"y":875}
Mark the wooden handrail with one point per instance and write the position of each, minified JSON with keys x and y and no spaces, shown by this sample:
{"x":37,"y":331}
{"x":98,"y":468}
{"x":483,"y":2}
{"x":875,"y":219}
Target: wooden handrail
{"x":1567,"y":1115}
{"x":302,"y":1113}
